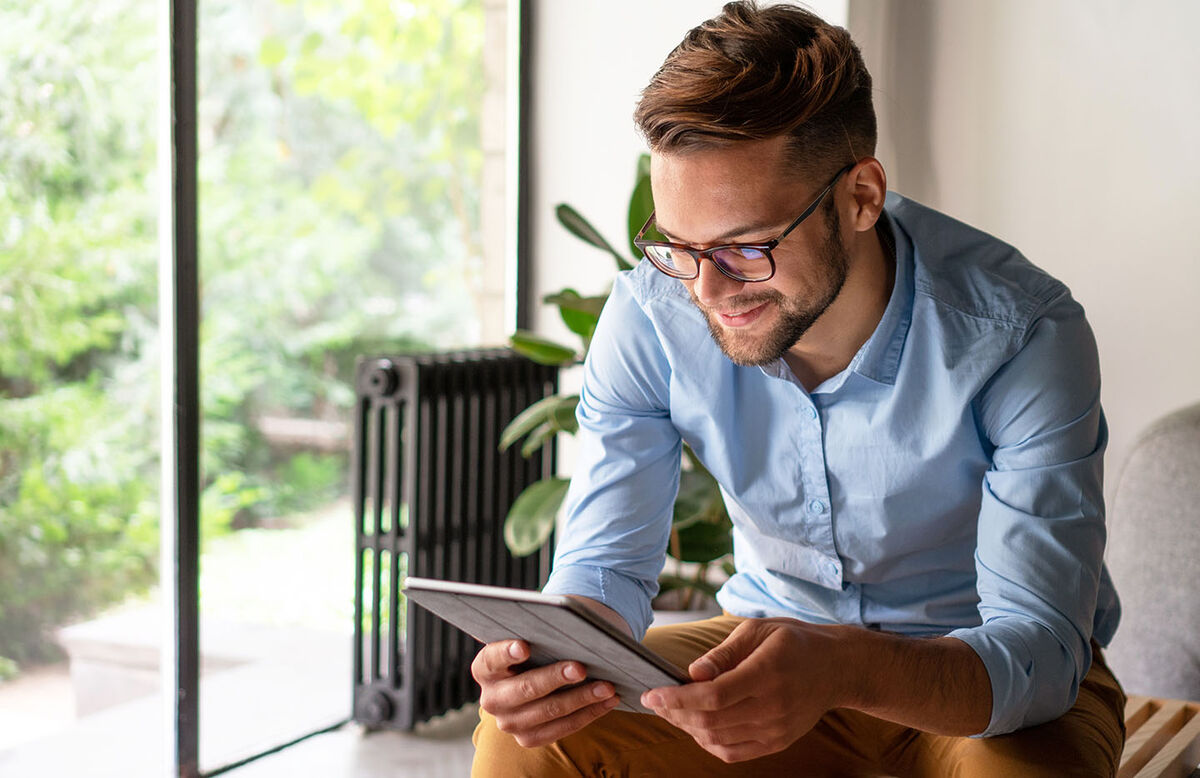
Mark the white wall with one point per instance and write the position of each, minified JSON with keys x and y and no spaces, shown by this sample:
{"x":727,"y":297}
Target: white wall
{"x":1068,"y":128}
{"x":591,"y":58}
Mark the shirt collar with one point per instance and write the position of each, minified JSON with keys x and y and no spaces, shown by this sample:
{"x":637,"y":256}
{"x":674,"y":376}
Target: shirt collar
{"x":879,"y":358}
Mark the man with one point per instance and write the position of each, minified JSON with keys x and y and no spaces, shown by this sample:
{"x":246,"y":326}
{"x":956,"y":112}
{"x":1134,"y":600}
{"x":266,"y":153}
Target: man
{"x":903,"y":414}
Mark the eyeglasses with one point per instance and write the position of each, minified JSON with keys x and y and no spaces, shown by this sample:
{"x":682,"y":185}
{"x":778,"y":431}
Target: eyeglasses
{"x":740,"y":261}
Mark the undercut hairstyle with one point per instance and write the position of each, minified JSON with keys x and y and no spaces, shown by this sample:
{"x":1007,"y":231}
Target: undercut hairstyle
{"x":757,"y":72}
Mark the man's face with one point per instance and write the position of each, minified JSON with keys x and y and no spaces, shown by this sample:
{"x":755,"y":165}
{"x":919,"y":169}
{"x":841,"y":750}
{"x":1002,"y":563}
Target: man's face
{"x":747,"y":194}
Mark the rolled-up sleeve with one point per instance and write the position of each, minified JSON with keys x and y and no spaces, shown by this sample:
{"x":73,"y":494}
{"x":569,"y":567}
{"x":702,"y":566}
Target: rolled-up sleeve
{"x":619,"y":505}
{"x":1041,"y":527}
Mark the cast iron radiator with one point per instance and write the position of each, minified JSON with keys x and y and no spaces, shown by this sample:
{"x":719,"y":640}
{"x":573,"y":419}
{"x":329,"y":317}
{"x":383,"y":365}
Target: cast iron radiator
{"x":431,"y":490}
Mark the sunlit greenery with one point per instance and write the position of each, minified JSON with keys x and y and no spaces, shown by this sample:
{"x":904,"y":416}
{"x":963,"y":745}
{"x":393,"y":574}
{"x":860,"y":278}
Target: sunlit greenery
{"x":340,"y":161}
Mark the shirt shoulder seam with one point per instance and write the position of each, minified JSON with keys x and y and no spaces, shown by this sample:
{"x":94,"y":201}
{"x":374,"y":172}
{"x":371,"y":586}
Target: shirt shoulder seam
{"x":1022,"y":322}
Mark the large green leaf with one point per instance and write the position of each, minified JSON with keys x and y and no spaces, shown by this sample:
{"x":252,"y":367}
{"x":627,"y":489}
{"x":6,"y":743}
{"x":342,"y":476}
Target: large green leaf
{"x":641,"y":203}
{"x":562,"y":419}
{"x":699,"y":499}
{"x":581,"y":228}
{"x":531,"y":518}
{"x":580,"y":314}
{"x":556,"y":411}
{"x":570,"y":299}
{"x":537,"y":439}
{"x":540,"y":350}
{"x":704,"y":541}
{"x":643,"y":166}
{"x":564,"y":415}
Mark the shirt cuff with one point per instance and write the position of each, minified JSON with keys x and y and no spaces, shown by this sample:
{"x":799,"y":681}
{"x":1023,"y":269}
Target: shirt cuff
{"x":1034,"y":679}
{"x":629,"y":597}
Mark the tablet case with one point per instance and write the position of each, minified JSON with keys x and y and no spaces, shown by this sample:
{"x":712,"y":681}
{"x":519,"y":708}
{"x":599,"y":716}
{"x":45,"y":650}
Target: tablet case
{"x":555,"y":627}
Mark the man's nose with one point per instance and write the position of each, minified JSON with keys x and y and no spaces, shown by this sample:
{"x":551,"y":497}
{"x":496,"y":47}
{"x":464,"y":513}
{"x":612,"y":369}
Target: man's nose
{"x":712,"y":286}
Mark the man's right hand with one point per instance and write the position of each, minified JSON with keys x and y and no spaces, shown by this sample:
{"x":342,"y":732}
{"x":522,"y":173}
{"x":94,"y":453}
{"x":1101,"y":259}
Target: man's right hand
{"x":533,"y":706}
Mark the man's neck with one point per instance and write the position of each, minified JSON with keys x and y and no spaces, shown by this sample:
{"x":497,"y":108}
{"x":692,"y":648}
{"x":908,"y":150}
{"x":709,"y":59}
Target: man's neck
{"x":833,"y":340}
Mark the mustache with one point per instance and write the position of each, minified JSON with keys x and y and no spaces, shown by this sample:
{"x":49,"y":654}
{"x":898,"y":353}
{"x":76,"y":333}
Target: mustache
{"x":740,"y":303}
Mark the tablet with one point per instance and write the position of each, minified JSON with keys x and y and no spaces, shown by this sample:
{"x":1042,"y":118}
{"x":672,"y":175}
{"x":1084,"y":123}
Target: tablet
{"x":556,"y":628}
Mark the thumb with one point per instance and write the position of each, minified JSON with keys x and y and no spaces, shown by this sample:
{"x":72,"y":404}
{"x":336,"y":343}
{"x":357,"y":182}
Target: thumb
{"x":728,"y":654}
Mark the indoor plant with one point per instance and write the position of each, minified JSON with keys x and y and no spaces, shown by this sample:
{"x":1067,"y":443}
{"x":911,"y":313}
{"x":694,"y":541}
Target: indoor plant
{"x":701,"y":532}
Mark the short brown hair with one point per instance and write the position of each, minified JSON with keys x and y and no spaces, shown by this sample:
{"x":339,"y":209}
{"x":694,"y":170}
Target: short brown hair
{"x":753,"y":73}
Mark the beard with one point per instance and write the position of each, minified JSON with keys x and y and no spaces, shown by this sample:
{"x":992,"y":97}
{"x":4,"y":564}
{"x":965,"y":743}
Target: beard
{"x":796,"y":314}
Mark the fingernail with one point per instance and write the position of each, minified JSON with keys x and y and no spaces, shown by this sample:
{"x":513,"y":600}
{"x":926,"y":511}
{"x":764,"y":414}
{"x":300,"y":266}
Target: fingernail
{"x":515,"y":651}
{"x":651,"y":700}
{"x":573,"y":673}
{"x":601,"y":690}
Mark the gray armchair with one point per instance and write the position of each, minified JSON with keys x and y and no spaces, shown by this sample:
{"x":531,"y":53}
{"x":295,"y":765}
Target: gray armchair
{"x":1154,"y":558}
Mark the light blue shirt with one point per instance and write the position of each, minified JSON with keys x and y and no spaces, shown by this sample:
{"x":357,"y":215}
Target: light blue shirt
{"x":947,"y":482}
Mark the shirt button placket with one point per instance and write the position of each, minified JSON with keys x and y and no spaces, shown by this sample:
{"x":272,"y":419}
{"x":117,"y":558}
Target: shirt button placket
{"x":818,"y":505}
{"x":812,"y":475}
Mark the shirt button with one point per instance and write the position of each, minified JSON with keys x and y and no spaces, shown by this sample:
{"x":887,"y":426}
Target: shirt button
{"x":832,"y":567}
{"x":816,"y":506}
{"x":812,"y":412}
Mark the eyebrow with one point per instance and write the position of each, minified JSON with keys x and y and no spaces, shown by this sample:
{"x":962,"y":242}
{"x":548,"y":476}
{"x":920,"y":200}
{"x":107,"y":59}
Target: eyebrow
{"x":727,"y":236}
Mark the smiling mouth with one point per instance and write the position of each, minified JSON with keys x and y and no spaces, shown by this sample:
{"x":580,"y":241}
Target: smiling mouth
{"x":742,"y":318}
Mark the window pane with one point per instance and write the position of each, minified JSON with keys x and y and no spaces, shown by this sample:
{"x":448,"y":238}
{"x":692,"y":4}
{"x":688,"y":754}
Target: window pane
{"x":340,"y":172}
{"x":78,"y":375}
{"x":341,"y":192}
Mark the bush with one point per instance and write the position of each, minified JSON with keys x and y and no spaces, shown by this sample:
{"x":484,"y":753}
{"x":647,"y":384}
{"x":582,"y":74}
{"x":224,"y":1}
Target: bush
{"x":78,"y":529}
{"x":78,"y":385}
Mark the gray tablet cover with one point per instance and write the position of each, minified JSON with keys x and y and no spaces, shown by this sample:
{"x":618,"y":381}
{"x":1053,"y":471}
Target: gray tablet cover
{"x":555,"y":627}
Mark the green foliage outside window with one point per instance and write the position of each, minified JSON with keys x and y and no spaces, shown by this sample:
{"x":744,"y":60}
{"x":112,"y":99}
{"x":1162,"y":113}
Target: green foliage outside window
{"x":339,"y":169}
{"x":77,"y":293}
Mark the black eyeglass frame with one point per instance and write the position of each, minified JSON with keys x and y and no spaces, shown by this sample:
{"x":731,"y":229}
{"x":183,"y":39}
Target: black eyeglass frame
{"x":708,"y":253}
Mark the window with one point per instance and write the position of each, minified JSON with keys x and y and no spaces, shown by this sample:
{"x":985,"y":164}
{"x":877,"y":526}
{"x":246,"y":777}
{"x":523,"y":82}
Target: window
{"x":351,"y":200}
{"x":340,"y":188}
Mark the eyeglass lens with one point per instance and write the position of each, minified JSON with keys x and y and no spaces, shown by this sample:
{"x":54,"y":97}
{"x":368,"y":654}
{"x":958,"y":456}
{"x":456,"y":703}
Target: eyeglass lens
{"x":747,"y":264}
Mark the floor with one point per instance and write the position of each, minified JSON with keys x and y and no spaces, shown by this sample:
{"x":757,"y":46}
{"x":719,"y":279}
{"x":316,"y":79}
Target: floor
{"x":127,"y":742}
{"x":283,"y":670}
{"x":439,"y":749}
{"x":245,"y":709}
{"x":38,"y":702}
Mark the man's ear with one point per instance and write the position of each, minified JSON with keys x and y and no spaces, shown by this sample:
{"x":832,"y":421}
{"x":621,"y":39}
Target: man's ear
{"x":868,"y":188}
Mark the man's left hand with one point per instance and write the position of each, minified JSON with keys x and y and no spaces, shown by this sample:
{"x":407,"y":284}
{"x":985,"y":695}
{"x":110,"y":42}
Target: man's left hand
{"x":756,"y":693}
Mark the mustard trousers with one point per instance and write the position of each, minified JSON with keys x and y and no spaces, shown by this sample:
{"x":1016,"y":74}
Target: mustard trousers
{"x":1085,"y":741}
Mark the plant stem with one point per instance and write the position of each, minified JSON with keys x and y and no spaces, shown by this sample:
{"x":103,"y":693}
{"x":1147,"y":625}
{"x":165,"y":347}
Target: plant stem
{"x":701,"y":575}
